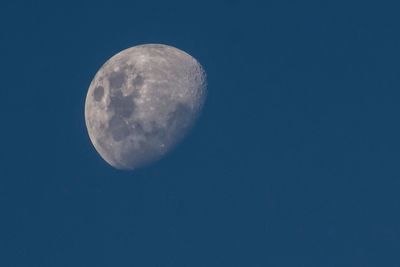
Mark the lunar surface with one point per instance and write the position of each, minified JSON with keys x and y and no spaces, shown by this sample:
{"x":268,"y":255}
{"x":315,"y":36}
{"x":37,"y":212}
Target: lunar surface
{"x":142,"y":102}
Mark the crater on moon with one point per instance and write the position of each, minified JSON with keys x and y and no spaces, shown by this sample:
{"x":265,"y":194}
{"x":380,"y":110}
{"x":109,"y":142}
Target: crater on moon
{"x":142,"y":102}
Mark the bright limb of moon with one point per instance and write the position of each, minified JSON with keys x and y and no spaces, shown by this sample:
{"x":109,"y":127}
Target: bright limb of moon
{"x":142,"y":102}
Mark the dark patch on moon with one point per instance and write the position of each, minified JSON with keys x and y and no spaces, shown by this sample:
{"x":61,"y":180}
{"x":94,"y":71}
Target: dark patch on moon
{"x":181,"y":116}
{"x":123,"y":106}
{"x":137,"y":128}
{"x":98,"y":93}
{"x":118,"y":128}
{"x":138,"y":81}
{"x":117,"y":79}
{"x":156,"y":132}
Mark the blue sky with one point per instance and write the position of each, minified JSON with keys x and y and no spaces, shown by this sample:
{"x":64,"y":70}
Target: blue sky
{"x":294,"y":161}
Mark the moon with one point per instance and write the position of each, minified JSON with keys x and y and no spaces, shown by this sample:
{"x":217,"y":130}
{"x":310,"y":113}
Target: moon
{"x":142,"y":102}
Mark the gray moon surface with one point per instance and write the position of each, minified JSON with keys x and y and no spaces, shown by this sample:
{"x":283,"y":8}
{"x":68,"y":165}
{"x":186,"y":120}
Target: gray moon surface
{"x":142,"y":102}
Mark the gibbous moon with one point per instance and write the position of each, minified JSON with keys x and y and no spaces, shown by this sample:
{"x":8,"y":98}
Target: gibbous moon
{"x":142,"y":102}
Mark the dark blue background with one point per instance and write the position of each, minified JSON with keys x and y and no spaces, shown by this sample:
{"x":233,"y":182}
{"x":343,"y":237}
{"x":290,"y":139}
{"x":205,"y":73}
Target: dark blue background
{"x":294,"y":161}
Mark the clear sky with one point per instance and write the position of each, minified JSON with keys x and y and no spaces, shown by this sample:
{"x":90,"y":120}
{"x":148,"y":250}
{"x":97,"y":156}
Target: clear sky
{"x":294,"y":161}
